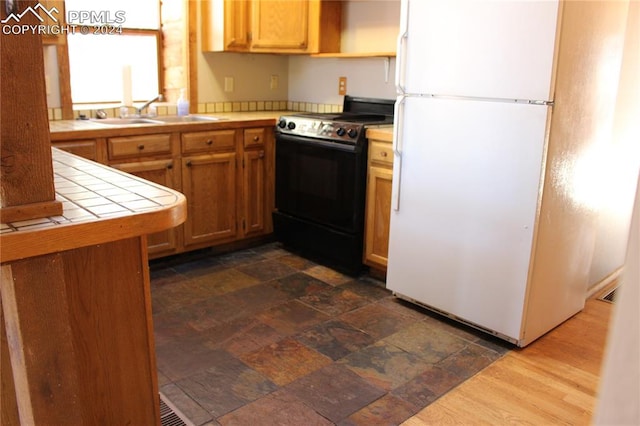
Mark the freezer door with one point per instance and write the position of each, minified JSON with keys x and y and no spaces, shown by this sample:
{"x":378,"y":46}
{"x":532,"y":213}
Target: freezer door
{"x":479,"y":48}
{"x":461,"y":238}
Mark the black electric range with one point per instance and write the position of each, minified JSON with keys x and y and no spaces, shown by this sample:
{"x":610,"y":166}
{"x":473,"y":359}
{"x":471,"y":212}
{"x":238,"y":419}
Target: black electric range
{"x":321,"y":172}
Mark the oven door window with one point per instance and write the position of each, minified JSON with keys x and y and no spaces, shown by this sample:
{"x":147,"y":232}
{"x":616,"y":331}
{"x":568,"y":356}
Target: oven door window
{"x":318,"y":183}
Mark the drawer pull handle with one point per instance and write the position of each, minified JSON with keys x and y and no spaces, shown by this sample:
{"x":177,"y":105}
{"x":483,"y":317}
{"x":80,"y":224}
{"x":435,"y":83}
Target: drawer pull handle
{"x":383,"y":154}
{"x":256,"y":138}
{"x":209,"y":142}
{"x":141,"y":147}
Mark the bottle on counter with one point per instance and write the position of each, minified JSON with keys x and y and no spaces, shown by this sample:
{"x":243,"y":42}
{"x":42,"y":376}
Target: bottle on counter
{"x":183,"y":104}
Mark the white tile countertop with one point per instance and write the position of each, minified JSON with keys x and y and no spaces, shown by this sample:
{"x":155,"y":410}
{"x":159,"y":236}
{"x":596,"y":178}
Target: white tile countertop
{"x":100,"y":204}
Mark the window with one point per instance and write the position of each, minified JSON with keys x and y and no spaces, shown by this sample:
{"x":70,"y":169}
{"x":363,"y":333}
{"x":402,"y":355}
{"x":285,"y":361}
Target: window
{"x":129,"y":38}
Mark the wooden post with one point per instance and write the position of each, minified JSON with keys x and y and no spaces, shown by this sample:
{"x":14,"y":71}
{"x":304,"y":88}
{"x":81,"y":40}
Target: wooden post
{"x":25,"y":148}
{"x":37,"y":322}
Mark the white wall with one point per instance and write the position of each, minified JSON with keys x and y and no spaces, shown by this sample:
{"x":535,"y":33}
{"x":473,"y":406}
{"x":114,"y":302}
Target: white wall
{"x":316,"y":79}
{"x":620,"y":160}
{"x":370,"y":25}
{"x":367,"y":26}
{"x":52,"y":75}
{"x":619,"y":402}
{"x":251,"y":74}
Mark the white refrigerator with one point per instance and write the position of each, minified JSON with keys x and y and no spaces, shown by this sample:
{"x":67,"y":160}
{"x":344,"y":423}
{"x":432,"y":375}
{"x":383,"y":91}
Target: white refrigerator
{"x":475,"y":91}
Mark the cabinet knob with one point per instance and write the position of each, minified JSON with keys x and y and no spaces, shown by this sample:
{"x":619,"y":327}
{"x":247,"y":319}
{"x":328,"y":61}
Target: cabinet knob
{"x":209,"y":142}
{"x":170,"y":166}
{"x":141,"y":147}
{"x":256,"y":138}
{"x":188,"y":163}
{"x":383,"y":154}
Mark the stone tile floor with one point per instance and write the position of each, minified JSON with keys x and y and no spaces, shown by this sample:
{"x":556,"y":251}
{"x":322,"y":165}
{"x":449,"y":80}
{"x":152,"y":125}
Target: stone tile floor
{"x":265,"y":337}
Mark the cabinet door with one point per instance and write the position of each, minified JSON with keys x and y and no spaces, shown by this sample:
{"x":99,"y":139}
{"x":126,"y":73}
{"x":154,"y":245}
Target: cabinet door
{"x":236,"y":24}
{"x":225,"y":25}
{"x":254,"y":190}
{"x":209,"y":183}
{"x":280,"y":25}
{"x":377,"y":219}
{"x":162,"y":173}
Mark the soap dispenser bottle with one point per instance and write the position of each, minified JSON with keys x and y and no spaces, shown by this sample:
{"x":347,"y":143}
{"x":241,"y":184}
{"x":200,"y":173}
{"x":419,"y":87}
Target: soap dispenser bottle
{"x":183,"y":104}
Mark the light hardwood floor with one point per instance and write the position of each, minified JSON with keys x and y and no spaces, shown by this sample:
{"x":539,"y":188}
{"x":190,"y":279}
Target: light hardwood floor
{"x":554,"y":380}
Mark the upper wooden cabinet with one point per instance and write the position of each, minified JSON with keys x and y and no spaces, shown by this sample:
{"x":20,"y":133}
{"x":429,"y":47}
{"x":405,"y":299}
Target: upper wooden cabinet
{"x":278,"y":25}
{"x":271,"y":26}
{"x":225,"y":25}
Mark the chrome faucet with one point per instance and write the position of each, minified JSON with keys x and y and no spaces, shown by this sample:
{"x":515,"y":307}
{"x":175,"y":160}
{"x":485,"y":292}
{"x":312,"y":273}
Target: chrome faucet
{"x":146,"y":104}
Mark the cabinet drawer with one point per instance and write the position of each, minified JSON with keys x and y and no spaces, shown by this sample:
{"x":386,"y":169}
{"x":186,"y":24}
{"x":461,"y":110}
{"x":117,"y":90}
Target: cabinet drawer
{"x":381,"y":152}
{"x":136,"y":146}
{"x":254,"y":137}
{"x":208,"y":141}
{"x":84,"y":148}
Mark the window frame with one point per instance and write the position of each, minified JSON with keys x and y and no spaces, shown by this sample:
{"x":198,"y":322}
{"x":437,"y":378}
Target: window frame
{"x":65,"y":74}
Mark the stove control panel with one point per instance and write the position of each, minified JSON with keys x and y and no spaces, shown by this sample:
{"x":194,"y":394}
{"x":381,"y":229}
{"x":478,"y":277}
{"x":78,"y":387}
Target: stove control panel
{"x":320,"y":129}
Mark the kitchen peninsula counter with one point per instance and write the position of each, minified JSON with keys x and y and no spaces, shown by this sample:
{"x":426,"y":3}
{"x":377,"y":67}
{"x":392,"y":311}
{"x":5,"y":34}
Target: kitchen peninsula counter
{"x":100,"y":204}
{"x":76,"y":330}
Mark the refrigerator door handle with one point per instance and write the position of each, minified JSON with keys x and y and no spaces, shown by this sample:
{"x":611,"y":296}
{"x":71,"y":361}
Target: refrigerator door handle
{"x":401,"y":47}
{"x":397,"y":152}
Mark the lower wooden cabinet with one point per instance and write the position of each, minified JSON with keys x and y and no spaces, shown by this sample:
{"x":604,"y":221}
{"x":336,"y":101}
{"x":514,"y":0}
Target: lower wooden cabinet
{"x":254,"y":192}
{"x":227,"y":190}
{"x":378,"y":205}
{"x":226,"y":174}
{"x":209,"y":183}
{"x":378,"y":216}
{"x":163,"y":173}
{"x":258,"y":173}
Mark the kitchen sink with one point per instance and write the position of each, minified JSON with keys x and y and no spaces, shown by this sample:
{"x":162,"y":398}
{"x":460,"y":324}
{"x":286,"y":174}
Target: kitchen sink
{"x":161,"y":119}
{"x":123,"y":121}
{"x":185,"y":118}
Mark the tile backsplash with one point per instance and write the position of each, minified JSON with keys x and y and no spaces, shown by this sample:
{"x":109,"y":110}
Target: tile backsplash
{"x":209,"y":108}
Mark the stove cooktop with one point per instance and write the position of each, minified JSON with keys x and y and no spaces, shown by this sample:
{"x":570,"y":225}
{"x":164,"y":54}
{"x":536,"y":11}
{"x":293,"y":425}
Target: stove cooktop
{"x":330,"y":127}
{"x":348,"y":117}
{"x":348,"y":126}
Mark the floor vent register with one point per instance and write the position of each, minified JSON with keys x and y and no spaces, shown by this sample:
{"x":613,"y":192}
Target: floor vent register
{"x":610,"y":296}
{"x":169,"y":415}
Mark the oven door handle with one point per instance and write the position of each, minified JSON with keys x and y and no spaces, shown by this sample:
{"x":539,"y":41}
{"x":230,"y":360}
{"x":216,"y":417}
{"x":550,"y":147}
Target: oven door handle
{"x":314,"y":143}
{"x":397,"y":152}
